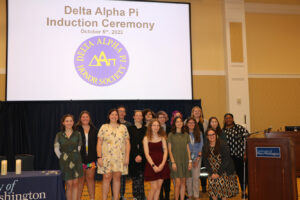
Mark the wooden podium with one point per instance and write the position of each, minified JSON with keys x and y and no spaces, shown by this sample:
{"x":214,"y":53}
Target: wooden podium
{"x":271,"y":169}
{"x":295,"y":136}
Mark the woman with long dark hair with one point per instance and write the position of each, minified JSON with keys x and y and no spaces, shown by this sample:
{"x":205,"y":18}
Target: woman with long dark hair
{"x":213,"y":123}
{"x":180,"y":156}
{"x":67,"y":145}
{"x":113,"y":149}
{"x":137,"y":157}
{"x":88,"y":152}
{"x":196,"y":144}
{"x":222,"y":180}
{"x":148,"y":115}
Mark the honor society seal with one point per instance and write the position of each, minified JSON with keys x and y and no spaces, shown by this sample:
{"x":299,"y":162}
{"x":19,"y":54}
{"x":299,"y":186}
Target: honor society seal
{"x":101,"y":61}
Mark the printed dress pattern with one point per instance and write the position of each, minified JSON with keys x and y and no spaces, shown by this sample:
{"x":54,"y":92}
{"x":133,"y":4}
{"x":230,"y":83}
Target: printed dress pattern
{"x":113,"y":148}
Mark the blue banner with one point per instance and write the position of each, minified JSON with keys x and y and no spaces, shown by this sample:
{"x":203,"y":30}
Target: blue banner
{"x":268,"y":152}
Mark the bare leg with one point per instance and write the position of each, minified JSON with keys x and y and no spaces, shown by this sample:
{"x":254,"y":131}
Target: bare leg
{"x":182,"y":188}
{"x":75,"y":189}
{"x":69,"y":184}
{"x":177,"y":188}
{"x":214,"y":197}
{"x":116,"y":184}
{"x":105,"y":184}
{"x":90,"y":180}
{"x":81,"y":184}
{"x":153,"y":189}
{"x":158,"y":186}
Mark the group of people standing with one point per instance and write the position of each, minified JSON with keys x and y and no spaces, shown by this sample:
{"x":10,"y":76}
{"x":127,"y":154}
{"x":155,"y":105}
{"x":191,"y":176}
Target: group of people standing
{"x":150,"y":150}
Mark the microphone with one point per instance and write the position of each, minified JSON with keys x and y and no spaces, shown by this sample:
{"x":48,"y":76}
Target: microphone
{"x":268,"y":130}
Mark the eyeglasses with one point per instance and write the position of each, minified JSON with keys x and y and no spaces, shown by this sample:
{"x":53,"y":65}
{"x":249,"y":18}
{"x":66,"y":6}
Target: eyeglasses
{"x":211,"y":134}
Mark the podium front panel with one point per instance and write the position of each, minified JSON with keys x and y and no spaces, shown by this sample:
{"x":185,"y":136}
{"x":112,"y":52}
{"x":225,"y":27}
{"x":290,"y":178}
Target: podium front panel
{"x":271,"y":169}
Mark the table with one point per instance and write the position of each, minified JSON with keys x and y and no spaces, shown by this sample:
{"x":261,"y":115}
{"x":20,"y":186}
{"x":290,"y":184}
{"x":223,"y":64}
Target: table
{"x":32,"y":185}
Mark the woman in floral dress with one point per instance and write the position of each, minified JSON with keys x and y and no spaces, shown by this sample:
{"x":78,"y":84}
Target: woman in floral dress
{"x":113,"y":149}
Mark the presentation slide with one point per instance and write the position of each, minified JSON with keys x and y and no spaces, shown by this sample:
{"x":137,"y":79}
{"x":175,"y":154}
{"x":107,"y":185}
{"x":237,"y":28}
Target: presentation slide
{"x":98,"y":50}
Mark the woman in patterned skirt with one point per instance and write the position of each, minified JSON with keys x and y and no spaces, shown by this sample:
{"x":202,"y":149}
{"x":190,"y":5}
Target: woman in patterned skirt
{"x":113,"y":153}
{"x":67,"y":146}
{"x":222,"y":180}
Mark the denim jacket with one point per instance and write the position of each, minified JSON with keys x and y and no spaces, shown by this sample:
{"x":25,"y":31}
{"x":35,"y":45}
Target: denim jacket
{"x":195,"y":148}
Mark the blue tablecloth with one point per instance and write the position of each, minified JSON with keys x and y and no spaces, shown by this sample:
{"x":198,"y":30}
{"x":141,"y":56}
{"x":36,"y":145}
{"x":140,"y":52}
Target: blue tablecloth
{"x":32,"y":185}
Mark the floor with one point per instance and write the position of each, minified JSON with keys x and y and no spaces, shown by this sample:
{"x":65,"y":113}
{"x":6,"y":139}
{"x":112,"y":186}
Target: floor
{"x":128,"y":194}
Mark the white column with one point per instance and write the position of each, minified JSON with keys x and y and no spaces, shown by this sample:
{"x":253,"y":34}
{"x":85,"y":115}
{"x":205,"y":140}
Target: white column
{"x":236,"y":72}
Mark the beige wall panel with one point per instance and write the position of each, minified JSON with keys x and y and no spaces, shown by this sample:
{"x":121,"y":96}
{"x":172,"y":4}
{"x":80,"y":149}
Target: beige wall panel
{"x":2,"y":87}
{"x":274,"y":103}
{"x":288,"y":2}
{"x":207,"y":34}
{"x":212,"y":91}
{"x":236,"y":42}
{"x":273,"y":43}
{"x":2,"y":34}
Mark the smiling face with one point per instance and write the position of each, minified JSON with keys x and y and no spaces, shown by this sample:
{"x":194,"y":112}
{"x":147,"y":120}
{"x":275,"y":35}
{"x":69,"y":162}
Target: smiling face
{"x":228,"y":120}
{"x":138,"y":117}
{"x":68,"y":122}
{"x":155,"y":127}
{"x":122,"y":112}
{"x":211,"y":136}
{"x":191,"y":124}
{"x":148,"y":116}
{"x":113,"y":117}
{"x":178,"y":123}
{"x":85,"y":119}
{"x":214,"y":123}
{"x":162,"y":119}
{"x":197,"y":112}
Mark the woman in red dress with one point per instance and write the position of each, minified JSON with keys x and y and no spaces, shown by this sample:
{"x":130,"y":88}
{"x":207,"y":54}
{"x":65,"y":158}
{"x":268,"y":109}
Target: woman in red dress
{"x":155,"y":148}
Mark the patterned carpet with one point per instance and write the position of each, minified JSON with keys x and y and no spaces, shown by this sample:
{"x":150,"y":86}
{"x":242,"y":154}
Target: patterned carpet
{"x":128,"y":194}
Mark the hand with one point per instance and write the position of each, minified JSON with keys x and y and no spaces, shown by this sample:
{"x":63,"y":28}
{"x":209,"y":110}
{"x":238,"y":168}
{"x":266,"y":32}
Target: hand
{"x":214,"y":176}
{"x":174,"y":167}
{"x":126,"y":161}
{"x":138,"y":159}
{"x":195,"y":163}
{"x":100,"y":162}
{"x":190,"y":166}
{"x":160,"y":167}
{"x":155,"y":169}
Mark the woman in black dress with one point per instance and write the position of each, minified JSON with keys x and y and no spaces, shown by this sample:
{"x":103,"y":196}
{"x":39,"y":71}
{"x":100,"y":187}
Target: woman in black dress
{"x":137,"y":157}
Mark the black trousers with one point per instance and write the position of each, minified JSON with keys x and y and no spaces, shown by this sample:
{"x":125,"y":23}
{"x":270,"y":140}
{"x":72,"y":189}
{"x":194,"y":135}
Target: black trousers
{"x":165,"y":188}
{"x":239,"y":168}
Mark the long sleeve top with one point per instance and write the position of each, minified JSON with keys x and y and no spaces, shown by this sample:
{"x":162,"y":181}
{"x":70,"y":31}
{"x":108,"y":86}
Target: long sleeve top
{"x":235,"y":140}
{"x":226,"y":165}
{"x":195,"y":147}
{"x":137,"y":149}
